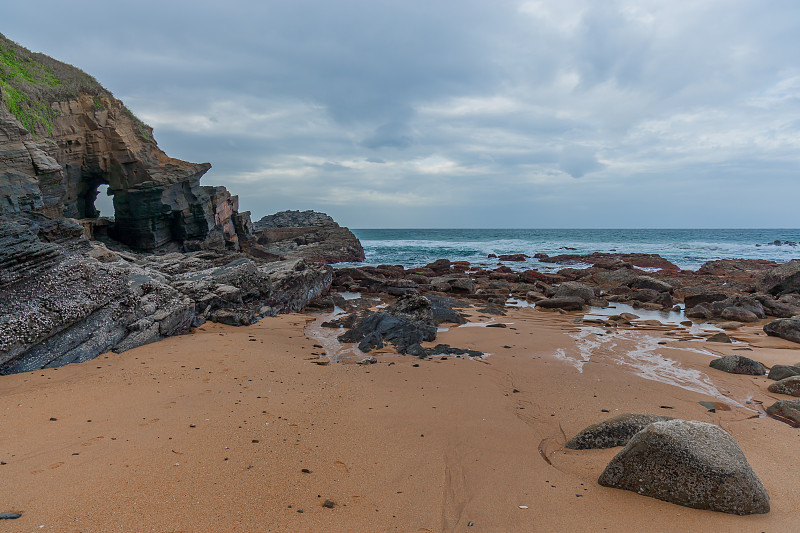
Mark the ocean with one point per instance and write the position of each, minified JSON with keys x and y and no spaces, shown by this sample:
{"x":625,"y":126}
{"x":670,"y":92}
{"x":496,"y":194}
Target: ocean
{"x":687,"y":248}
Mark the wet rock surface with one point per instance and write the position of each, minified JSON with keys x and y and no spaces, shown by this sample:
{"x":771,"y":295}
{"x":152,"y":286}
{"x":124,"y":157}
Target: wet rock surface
{"x":693,"y":464}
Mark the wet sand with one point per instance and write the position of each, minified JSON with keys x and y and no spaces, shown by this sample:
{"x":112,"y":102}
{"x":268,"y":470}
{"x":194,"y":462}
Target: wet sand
{"x":211,"y":432}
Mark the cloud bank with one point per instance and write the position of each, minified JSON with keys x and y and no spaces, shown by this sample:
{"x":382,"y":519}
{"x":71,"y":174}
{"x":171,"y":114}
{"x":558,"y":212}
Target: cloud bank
{"x":625,"y":113}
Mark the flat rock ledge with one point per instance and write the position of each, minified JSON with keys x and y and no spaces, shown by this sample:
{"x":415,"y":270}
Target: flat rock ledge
{"x":615,"y":431}
{"x":689,"y":463}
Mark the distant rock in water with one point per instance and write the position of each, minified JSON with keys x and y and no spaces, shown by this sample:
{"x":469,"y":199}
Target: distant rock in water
{"x":309,"y":235}
{"x":296,"y":219}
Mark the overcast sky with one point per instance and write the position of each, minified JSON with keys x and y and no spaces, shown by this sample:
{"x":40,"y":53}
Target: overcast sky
{"x":445,"y":113}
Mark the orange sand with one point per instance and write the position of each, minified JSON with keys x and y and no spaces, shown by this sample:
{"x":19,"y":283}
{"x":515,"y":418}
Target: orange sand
{"x":210,"y":432}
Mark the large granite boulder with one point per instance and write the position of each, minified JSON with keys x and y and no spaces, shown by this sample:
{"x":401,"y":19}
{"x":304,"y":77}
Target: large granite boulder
{"x":615,"y":431}
{"x":738,"y":364}
{"x":693,"y":464}
{"x":785,"y":328}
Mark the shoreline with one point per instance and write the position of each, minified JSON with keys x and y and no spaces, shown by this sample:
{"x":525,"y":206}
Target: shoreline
{"x":165,"y":417}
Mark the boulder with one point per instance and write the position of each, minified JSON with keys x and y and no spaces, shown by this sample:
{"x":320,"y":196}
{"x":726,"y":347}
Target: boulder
{"x":785,"y":328}
{"x":779,"y":372}
{"x":719,"y":337}
{"x":738,"y":364}
{"x":573,"y":289}
{"x":568,"y":304}
{"x":615,"y":431}
{"x":513,"y":257}
{"x":696,"y":296}
{"x":738,"y":314}
{"x":786,"y":411}
{"x":790,"y":386}
{"x":693,"y":464}
{"x":646,"y":282}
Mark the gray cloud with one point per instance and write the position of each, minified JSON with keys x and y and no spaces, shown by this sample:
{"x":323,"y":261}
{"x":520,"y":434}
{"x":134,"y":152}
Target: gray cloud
{"x":463,"y":113}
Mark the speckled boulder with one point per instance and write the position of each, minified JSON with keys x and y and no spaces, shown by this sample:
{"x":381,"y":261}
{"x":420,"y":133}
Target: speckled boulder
{"x":737,"y":364}
{"x":790,"y":386}
{"x":693,"y":464}
{"x":786,"y":411}
{"x":779,"y":372}
{"x":615,"y":431}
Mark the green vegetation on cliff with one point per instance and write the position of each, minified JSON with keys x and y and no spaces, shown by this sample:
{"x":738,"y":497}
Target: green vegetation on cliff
{"x":31,"y":82}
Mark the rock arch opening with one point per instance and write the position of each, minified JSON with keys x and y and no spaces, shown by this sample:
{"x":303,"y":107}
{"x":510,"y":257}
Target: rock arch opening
{"x":104,"y":202}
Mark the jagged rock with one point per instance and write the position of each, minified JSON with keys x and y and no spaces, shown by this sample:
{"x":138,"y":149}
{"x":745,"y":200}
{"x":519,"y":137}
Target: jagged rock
{"x":406,"y":323}
{"x":790,"y":386}
{"x":786,"y":411}
{"x":779,"y":372}
{"x":726,"y":267}
{"x":782,"y":279}
{"x":615,"y":431}
{"x":308,"y":235}
{"x":442,"y":310}
{"x":693,"y":464}
{"x":785,"y":328}
{"x":777,"y":308}
{"x":738,"y":364}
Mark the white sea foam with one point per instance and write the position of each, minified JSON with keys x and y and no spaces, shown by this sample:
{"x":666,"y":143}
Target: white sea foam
{"x":644,"y":358}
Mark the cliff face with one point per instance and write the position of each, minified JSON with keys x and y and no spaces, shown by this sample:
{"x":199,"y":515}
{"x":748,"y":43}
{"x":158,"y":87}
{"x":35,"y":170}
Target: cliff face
{"x":62,"y":136}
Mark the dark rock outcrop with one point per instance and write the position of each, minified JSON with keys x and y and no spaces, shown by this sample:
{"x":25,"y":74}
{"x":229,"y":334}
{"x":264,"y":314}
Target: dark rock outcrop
{"x":61,"y":305}
{"x":615,"y":431}
{"x":693,"y":464}
{"x":407,"y":323}
{"x":308,"y":235}
{"x":783,"y":279}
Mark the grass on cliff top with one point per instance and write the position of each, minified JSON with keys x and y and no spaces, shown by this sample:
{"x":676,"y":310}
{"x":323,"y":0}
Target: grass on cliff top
{"x":31,"y":82}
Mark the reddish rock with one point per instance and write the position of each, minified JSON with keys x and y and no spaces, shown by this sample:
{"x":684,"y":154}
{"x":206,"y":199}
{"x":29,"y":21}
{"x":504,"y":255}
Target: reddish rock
{"x":513,"y":257}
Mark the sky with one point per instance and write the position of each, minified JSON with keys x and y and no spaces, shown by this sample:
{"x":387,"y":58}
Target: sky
{"x":473,"y":114}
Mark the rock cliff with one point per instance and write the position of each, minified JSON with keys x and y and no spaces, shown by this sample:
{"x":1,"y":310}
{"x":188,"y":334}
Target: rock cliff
{"x":64,"y":296}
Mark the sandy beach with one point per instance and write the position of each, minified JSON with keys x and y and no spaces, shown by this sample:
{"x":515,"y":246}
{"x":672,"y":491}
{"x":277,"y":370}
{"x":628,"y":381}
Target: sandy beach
{"x":239,"y":429}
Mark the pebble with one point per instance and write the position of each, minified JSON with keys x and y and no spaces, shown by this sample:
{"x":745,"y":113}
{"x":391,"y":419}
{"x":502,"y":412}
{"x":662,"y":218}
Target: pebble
{"x":9,"y":516}
{"x":328,"y":504}
{"x":305,"y":471}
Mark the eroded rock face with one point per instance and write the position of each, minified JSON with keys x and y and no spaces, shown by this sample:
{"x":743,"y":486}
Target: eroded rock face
{"x":308,"y":235}
{"x":693,"y":464}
